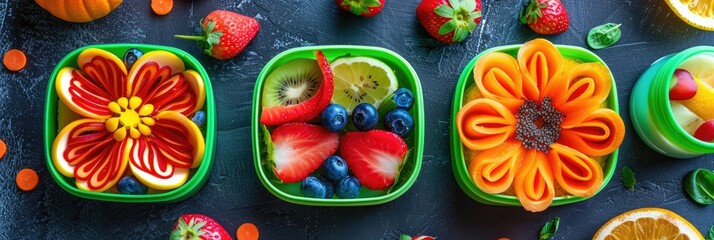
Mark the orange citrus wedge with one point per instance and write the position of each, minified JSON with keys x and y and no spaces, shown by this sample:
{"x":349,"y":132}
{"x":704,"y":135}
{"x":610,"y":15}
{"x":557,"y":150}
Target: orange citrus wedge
{"x":698,"y":13}
{"x":648,"y":223}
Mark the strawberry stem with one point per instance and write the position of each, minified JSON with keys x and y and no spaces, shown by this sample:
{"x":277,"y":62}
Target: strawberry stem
{"x":462,"y":15}
{"x":532,"y":12}
{"x":208,"y":39}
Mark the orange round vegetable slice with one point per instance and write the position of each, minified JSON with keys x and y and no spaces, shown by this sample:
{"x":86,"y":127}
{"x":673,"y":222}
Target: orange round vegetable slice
{"x":247,"y":231}
{"x":162,"y":7}
{"x":14,"y":60}
{"x":27,"y":179}
{"x":3,"y":148}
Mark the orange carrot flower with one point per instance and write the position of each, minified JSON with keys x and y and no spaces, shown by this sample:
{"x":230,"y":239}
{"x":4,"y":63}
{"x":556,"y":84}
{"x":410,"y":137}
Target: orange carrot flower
{"x":538,"y":125}
{"x":136,"y":118}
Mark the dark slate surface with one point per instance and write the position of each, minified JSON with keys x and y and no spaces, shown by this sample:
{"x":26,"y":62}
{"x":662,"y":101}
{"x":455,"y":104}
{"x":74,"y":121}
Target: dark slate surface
{"x":434,"y":205}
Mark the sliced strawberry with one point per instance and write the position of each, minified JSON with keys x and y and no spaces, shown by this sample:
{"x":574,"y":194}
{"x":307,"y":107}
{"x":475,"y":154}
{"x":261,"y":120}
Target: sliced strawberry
{"x":307,"y":110}
{"x":374,"y":157}
{"x":299,"y":149}
{"x":328,"y":87}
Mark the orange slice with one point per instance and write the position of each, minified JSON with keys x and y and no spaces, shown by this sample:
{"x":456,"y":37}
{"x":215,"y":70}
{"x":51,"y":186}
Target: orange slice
{"x":647,"y":223}
{"x":698,"y":13}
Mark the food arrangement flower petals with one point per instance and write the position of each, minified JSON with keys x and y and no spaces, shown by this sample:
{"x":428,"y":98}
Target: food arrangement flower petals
{"x":574,"y":171}
{"x":493,"y":170}
{"x":540,"y":62}
{"x":537,"y":122}
{"x":586,"y":86}
{"x":534,"y":183}
{"x":484,"y":124}
{"x":598,"y":135}
{"x":497,"y":77}
{"x":139,"y":121}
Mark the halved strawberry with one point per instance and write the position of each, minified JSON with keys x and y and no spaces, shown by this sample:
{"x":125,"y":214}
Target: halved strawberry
{"x":306,"y":110}
{"x":375,"y":157}
{"x":299,"y":149}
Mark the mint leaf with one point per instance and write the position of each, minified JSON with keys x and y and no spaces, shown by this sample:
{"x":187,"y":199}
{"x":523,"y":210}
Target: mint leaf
{"x":628,"y":178}
{"x":549,"y":229}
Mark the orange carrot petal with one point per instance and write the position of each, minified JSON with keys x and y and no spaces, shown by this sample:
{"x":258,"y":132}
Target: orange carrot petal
{"x":493,"y":170}
{"x":484,"y":123}
{"x":540,"y":61}
{"x":14,"y":60}
{"x":575,"y":172}
{"x":534,"y":182}
{"x":598,"y":135}
{"x":587,"y":85}
{"x":497,"y":77}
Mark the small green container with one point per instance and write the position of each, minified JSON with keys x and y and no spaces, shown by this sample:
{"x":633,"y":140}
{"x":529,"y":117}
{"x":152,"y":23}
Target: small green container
{"x":407,"y":78}
{"x":651,"y":111}
{"x":199,"y":176}
{"x":457,"y":148}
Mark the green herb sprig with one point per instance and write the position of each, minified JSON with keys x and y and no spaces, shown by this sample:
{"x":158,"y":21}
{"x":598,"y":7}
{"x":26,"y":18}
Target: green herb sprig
{"x":711,"y":233}
{"x":549,"y":229}
{"x":700,"y":186}
{"x":628,"y":178}
{"x":604,"y":35}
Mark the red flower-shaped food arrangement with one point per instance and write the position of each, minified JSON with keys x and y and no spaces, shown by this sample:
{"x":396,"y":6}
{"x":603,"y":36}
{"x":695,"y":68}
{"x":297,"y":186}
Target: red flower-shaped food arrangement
{"x":539,"y":125}
{"x":135,"y":117}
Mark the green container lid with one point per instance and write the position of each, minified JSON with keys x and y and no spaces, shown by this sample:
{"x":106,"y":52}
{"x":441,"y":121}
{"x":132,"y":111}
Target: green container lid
{"x":198,"y":177}
{"x":457,"y":148}
{"x":406,"y":77}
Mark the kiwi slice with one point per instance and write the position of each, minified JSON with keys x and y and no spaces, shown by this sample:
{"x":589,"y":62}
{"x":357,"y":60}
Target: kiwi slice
{"x":291,"y":83}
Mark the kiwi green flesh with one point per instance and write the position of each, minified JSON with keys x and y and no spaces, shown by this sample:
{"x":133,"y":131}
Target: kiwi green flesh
{"x":291,"y":83}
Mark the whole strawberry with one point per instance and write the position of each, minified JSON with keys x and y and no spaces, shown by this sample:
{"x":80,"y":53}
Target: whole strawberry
{"x":225,"y":33}
{"x":198,"y":226}
{"x":449,"y":21}
{"x":366,"y":8}
{"x":546,"y":17}
{"x":407,"y":237}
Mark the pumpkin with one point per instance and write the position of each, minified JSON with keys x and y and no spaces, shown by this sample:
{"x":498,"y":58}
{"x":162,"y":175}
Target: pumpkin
{"x":79,"y":11}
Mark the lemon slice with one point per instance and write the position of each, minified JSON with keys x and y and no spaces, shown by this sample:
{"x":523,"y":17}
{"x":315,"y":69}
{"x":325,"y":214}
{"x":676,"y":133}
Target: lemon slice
{"x":647,"y":224}
{"x":361,"y":80}
{"x":698,"y":13}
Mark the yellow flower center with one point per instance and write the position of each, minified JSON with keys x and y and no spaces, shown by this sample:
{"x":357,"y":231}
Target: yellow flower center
{"x":127,"y":120}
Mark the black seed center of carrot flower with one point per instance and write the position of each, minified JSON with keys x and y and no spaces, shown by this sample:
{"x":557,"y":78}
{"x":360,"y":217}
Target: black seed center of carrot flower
{"x":538,"y":124}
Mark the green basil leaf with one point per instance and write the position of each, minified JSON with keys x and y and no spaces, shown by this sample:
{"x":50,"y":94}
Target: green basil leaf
{"x":700,"y":186}
{"x":604,"y":35}
{"x":628,"y":178}
{"x":549,"y":229}
{"x":711,"y":233}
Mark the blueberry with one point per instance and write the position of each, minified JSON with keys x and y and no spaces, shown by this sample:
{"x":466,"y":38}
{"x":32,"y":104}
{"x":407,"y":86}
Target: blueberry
{"x":199,"y":118}
{"x":132,"y":186}
{"x":399,"y":121}
{"x":348,"y":187}
{"x":335,"y":168}
{"x":312,"y":187}
{"x":365,"y":116}
{"x":329,"y":186}
{"x":131,"y":56}
{"x":334,"y":117}
{"x":404,"y":98}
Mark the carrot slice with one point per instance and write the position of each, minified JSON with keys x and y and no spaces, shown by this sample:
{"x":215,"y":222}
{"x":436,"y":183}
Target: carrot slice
{"x":497,"y":77}
{"x":534,"y":182}
{"x":598,"y":135}
{"x":247,"y":231}
{"x":575,"y":172}
{"x":3,"y":149}
{"x":540,"y":62}
{"x":581,"y":91}
{"x":27,"y":179}
{"x":14,"y":60}
{"x":493,"y":170}
{"x":162,"y":7}
{"x":484,"y":123}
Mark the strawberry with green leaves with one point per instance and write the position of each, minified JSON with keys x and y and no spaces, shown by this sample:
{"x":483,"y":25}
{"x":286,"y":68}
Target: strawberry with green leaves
{"x":225,"y":34}
{"x":547,"y":17}
{"x":366,"y":8}
{"x":198,"y":226}
{"x":449,"y":21}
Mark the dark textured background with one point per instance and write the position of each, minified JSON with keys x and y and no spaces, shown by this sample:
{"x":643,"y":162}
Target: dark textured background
{"x":434,"y":205}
